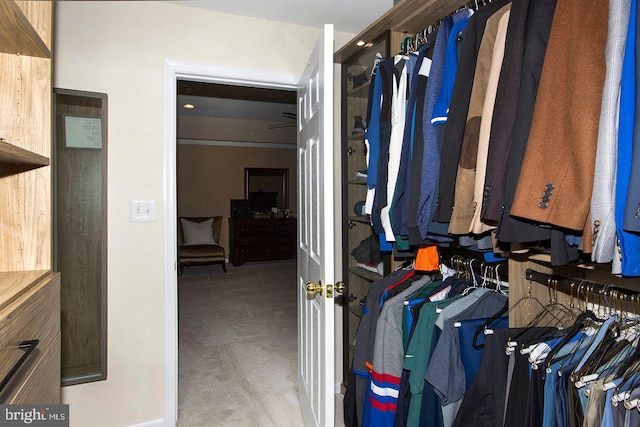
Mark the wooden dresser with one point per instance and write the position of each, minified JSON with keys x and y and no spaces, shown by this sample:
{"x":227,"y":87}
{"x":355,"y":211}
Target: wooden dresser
{"x":261,"y":239}
{"x":30,"y":337}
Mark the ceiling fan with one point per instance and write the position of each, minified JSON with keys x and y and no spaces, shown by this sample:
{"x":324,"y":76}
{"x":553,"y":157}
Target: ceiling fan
{"x":287,"y":115}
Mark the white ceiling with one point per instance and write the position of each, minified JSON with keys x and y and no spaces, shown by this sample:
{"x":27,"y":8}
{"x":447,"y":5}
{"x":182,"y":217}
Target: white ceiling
{"x":348,"y":16}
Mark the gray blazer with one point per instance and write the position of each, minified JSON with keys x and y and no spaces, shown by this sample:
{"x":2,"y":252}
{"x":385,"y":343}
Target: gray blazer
{"x":604,"y":185}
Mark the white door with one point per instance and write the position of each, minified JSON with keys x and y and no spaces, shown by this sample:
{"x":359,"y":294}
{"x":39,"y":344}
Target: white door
{"x":316,"y":364}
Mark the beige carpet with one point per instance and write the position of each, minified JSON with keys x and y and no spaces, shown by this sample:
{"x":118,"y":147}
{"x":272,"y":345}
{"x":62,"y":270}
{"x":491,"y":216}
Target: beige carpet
{"x":237,"y":346}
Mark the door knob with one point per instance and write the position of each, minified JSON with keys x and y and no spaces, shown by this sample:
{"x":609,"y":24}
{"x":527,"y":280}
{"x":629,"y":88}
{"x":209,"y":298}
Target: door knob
{"x":313,"y":289}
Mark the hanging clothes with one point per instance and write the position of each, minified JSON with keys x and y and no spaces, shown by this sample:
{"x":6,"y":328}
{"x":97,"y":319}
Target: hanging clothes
{"x":484,"y":96}
{"x":462,"y":215}
{"x":604,"y":182}
{"x":565,"y":121}
{"x":443,"y":66}
{"x":454,"y":130}
{"x":477,"y":224}
{"x":628,"y":260}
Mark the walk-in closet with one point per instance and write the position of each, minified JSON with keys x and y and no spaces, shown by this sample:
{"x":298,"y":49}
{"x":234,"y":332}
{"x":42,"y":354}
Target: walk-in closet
{"x":490,"y":215}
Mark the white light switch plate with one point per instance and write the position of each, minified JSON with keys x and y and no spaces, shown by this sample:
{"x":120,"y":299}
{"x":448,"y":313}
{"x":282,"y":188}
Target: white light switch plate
{"x":143,"y":210}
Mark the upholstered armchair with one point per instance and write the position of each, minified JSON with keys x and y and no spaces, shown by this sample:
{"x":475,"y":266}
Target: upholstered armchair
{"x":199,"y":242}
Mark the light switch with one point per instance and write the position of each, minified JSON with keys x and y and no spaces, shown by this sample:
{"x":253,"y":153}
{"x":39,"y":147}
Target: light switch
{"x":143,"y":210}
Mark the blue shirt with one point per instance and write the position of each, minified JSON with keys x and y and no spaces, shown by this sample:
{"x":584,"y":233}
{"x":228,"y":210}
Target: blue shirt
{"x":629,"y":242}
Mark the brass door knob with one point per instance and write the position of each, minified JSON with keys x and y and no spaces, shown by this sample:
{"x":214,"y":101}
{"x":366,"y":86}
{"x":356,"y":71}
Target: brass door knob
{"x":313,"y":289}
{"x":339,"y":287}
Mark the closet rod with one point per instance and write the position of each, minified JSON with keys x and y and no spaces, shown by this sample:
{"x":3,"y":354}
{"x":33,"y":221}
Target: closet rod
{"x":579,"y":287}
{"x":412,"y":44}
{"x":476,"y":263}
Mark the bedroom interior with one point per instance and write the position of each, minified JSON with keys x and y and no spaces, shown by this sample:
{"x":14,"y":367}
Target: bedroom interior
{"x":217,"y":338}
{"x":234,"y":137}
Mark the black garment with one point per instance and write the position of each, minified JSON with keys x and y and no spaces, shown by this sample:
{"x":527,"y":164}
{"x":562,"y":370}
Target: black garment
{"x":535,"y":402}
{"x":404,"y":398}
{"x":459,"y":107}
{"x":518,"y":390}
{"x":539,"y":21}
{"x":483,"y":405}
{"x":505,"y":112}
{"x":349,"y":402}
{"x":576,"y":414}
{"x":431,"y":405}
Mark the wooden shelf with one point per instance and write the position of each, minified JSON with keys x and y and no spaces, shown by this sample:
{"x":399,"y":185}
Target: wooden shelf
{"x":17,"y":35}
{"x":365,"y":274}
{"x":360,"y":218}
{"x":11,"y":154}
{"x":407,"y":16}
{"x":360,"y":92}
{"x":359,"y":181}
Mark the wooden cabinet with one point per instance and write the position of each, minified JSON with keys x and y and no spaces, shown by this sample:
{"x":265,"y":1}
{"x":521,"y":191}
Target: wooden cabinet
{"x":261,"y":239}
{"x":29,"y":291}
{"x":356,"y":73}
{"x":30,"y":316}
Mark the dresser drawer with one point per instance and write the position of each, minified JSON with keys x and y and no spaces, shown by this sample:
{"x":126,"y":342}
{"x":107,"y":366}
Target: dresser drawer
{"x":35,"y":314}
{"x":262,"y":239}
{"x":256,"y":230}
{"x":42,"y":384}
{"x":255,"y":241}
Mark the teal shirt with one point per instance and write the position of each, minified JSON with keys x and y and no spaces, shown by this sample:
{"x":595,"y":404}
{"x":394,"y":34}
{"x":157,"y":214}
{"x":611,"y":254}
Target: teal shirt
{"x":416,"y":359}
{"x":422,"y":294}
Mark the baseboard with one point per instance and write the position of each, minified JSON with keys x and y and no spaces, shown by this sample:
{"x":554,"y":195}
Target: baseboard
{"x":154,"y":423}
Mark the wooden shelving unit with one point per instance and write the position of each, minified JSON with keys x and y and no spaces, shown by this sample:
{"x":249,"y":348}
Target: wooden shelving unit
{"x":29,"y":291}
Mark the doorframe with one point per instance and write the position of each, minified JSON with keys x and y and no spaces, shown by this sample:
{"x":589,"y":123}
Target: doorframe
{"x":174,"y":70}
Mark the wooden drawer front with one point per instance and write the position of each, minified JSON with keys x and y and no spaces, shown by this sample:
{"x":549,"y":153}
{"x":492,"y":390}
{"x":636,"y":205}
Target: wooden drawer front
{"x":246,"y":241}
{"x":255,"y":230}
{"x":42,"y":385}
{"x":34,"y":315}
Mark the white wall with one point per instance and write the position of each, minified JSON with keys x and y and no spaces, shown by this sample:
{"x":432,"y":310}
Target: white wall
{"x":119,"y":48}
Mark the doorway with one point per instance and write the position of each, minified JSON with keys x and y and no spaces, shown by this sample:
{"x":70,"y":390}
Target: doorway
{"x":237,"y":359}
{"x":173,"y":73}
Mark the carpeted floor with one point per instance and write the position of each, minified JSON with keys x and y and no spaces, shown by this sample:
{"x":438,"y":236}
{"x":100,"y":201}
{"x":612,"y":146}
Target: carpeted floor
{"x":237,"y":346}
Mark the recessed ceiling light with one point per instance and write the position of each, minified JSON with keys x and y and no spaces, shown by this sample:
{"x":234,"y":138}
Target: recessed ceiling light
{"x":188,"y":106}
{"x":360,"y":43}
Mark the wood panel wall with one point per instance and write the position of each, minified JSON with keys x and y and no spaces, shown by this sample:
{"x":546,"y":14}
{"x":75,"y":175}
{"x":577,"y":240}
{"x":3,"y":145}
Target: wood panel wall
{"x":80,"y":241}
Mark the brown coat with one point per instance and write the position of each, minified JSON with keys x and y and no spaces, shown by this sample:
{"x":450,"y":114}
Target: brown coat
{"x":556,"y":179}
